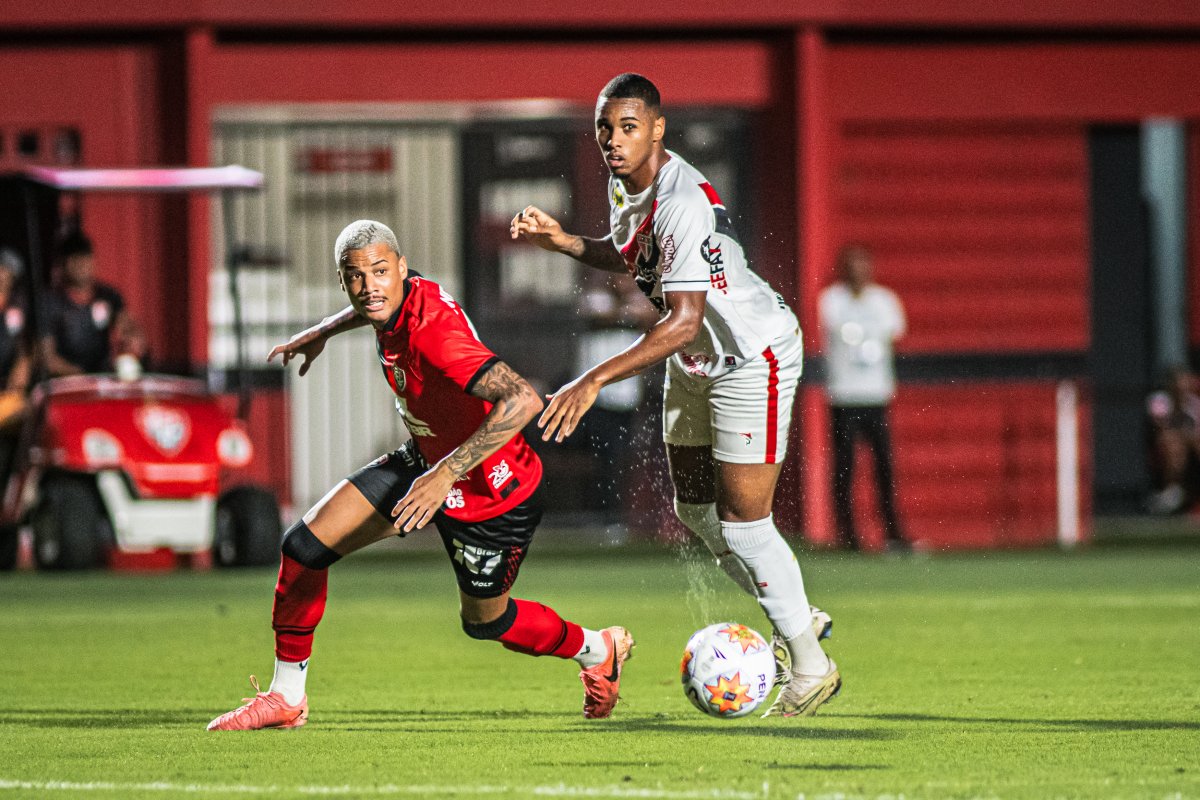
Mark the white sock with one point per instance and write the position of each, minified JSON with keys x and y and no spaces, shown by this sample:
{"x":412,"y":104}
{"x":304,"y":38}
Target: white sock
{"x":806,"y":650}
{"x":593,"y":652}
{"x":776,"y":574}
{"x":701,"y":519}
{"x":289,"y":680}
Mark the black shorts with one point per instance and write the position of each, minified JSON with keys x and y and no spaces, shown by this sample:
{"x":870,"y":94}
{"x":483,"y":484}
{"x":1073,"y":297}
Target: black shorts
{"x":486,"y":555}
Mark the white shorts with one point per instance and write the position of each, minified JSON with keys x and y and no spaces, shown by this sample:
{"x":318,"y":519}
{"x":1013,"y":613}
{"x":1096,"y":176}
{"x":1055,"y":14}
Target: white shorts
{"x":742,"y":415}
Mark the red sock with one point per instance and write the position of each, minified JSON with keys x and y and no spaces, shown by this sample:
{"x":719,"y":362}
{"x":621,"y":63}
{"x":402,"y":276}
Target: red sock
{"x":299,"y":606}
{"x":538,"y":631}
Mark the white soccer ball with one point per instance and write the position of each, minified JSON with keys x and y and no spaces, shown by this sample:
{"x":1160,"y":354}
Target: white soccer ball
{"x":727,"y":670}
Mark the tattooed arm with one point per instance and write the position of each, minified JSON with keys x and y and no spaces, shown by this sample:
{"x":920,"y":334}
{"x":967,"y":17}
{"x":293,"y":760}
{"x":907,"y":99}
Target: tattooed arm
{"x":514,"y":404}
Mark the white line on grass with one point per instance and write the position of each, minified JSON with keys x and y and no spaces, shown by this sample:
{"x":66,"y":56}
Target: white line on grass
{"x":560,"y":790}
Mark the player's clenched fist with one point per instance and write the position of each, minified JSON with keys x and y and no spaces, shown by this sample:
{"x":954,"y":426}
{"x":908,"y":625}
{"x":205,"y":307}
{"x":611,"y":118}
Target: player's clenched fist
{"x":538,"y":227}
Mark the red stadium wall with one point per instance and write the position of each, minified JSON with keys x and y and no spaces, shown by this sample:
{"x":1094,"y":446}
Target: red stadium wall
{"x":961,"y":161}
{"x":963,"y":166}
{"x":114,"y":96}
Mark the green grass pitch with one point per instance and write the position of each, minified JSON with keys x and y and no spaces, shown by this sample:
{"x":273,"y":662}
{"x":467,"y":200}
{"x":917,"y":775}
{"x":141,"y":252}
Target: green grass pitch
{"x":989,"y":675}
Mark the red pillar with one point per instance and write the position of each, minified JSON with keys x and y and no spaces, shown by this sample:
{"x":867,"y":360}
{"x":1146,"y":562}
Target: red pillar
{"x":814,"y":217}
{"x":197,"y":71}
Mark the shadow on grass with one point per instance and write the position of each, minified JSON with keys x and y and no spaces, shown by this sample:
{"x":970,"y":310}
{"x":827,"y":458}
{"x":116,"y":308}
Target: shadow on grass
{"x":657,"y":725}
{"x":1053,"y":724}
{"x":105,"y":718}
{"x":827,"y":767}
{"x":465,"y":722}
{"x":615,"y":728}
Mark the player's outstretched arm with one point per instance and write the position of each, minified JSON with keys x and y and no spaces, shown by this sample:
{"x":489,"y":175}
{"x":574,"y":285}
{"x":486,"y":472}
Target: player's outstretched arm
{"x":539,"y":228}
{"x":310,"y":342}
{"x":514,"y":404}
{"x":672,"y":333}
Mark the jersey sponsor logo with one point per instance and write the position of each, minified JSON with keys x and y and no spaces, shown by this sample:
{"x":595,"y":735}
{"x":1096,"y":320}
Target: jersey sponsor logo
{"x":101,"y":314}
{"x":398,"y":376}
{"x":711,"y":252}
{"x":455,"y":499}
{"x":417,"y":427}
{"x":478,"y":560}
{"x":668,"y":249}
{"x":499,"y":474}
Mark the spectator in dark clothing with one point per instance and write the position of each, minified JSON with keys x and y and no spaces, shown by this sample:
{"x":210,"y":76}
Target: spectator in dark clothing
{"x":14,"y":357}
{"x":14,"y":360}
{"x":88,"y":324}
{"x":1174,"y":415}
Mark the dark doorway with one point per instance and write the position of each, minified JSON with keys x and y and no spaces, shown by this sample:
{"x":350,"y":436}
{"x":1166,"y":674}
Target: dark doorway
{"x":1121,"y":363}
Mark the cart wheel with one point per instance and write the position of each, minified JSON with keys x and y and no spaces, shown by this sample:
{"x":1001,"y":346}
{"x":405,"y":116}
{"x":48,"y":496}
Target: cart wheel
{"x":70,"y":526}
{"x":248,"y":528}
{"x":10,"y":537}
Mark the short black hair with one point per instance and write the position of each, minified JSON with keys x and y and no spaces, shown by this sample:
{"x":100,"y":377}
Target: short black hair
{"x":632,"y":86}
{"x":74,"y":244}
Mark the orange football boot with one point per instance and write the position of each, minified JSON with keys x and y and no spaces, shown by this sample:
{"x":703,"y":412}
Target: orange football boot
{"x":264,"y":710}
{"x":601,"y":682}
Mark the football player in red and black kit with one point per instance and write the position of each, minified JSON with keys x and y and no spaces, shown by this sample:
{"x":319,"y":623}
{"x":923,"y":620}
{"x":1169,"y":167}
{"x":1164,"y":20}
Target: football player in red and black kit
{"x":467,"y":469}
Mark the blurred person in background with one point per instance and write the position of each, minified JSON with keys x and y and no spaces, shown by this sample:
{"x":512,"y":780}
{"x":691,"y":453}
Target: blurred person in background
{"x":616,"y":314}
{"x":87,"y":320}
{"x":859,"y":322}
{"x":1174,"y":416}
{"x":14,"y":358}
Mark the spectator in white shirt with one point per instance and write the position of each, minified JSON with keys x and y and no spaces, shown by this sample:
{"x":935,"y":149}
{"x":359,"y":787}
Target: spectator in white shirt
{"x":859,"y":322}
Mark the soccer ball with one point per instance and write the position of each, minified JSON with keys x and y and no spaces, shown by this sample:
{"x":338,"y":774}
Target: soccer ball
{"x":727,"y":670}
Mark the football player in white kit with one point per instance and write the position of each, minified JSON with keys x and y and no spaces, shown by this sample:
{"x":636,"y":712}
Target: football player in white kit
{"x":734,"y":355}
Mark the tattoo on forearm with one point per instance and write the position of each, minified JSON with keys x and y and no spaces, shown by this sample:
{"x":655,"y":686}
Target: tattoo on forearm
{"x":503,"y":387}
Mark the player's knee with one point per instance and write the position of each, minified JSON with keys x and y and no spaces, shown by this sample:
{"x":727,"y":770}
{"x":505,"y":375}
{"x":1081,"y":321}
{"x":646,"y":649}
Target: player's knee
{"x":302,"y":546}
{"x":492,"y":629}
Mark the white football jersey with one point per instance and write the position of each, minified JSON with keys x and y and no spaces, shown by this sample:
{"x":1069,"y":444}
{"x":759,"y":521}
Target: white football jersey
{"x":858,"y":331}
{"x":676,"y":237}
